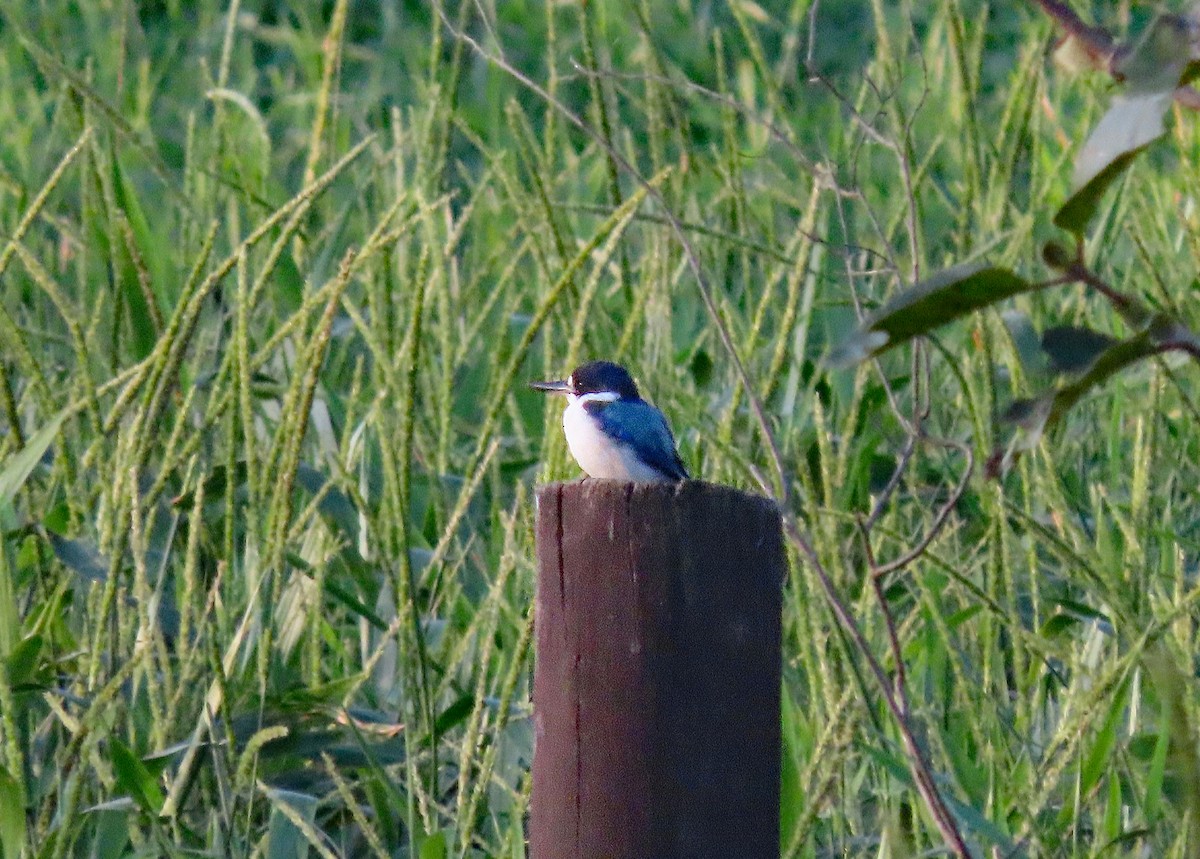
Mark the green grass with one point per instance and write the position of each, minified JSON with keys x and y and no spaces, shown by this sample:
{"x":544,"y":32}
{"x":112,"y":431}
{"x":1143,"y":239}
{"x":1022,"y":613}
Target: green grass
{"x":273,"y":282}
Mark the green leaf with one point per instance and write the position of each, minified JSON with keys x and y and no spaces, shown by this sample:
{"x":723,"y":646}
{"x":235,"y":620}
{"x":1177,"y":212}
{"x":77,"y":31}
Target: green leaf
{"x":1157,"y":771}
{"x":290,"y":281}
{"x":1099,"y":757}
{"x":1072,"y":349}
{"x":10,"y":618}
{"x":79,"y":556}
{"x":1058,"y":624}
{"x":333,"y":504}
{"x":1131,"y":124}
{"x":1158,"y":59}
{"x":1025,"y":341}
{"x":1190,"y":72}
{"x":126,"y":196}
{"x":1112,"y":811}
{"x":142,"y":320}
{"x":453,"y":715}
{"x":1041,"y":413}
{"x":791,"y":792}
{"x":12,"y":817}
{"x":960,"y":745}
{"x":1125,"y":843}
{"x":112,"y":833}
{"x":701,"y":368}
{"x":1038,"y":415}
{"x":133,"y":778}
{"x":1081,"y":205}
{"x":354,"y":604}
{"x":215,"y":485}
{"x":1172,"y":685}
{"x":979,"y":823}
{"x":284,"y":838}
{"x":892,"y":762}
{"x":942,"y":298}
{"x":516,"y":835}
{"x":1083,"y":611}
{"x":1152,"y":70}
{"x":1107,"y":364}
{"x":24,"y":659}
{"x":21,"y":464}
{"x":434,"y":847}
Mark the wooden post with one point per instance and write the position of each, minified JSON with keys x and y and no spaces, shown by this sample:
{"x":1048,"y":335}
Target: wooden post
{"x":657,"y":673}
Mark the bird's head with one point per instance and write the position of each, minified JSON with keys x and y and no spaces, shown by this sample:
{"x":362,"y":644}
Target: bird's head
{"x":598,"y":380}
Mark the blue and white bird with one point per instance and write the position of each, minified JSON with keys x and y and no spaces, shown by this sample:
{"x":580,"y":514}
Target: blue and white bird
{"x":612,"y":432}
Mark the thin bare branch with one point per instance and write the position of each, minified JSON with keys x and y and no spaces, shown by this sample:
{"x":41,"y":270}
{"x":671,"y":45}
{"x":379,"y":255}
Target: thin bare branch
{"x":1101,"y":48}
{"x":885,"y":495}
{"x":897,"y":705}
{"x":899,"y":684}
{"x":1097,"y":42}
{"x":943,"y":514}
{"x":1079,"y":271}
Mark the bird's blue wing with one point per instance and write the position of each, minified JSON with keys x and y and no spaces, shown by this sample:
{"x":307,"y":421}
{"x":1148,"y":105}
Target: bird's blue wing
{"x":643,"y":427}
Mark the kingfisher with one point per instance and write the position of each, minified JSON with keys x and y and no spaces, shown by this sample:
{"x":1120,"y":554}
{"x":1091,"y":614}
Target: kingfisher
{"x":612,"y":432}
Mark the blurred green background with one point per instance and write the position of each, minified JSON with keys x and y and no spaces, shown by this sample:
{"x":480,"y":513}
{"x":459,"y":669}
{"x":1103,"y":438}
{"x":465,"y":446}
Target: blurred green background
{"x":274,"y":277}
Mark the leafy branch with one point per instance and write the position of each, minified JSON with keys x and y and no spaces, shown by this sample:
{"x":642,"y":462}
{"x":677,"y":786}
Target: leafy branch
{"x":1155,"y":69}
{"x":1099,"y":49}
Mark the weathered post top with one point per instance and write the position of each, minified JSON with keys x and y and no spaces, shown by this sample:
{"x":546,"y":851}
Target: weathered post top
{"x":657,"y":672}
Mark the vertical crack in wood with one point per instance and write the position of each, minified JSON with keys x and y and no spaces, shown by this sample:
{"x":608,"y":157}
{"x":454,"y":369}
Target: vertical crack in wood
{"x":572,"y":624}
{"x":633,"y":572}
{"x":578,"y":758}
{"x":558,"y":543}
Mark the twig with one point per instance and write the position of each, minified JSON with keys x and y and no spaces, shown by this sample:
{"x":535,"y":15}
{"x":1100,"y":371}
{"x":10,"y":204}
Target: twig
{"x":899,"y":685}
{"x":1189,"y":97}
{"x":943,"y":514}
{"x":896,"y":704}
{"x":842,"y":249}
{"x":1079,"y":271}
{"x":781,"y":133}
{"x":910,"y":447}
{"x":1102,"y":49}
{"x":1097,"y":42}
{"x":1188,"y":344}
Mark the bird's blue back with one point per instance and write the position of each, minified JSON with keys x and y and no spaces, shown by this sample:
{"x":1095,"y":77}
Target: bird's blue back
{"x":642,"y":427}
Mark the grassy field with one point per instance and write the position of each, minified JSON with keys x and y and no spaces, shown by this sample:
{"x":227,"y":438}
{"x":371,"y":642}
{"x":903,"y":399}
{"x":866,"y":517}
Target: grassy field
{"x":274,"y":278}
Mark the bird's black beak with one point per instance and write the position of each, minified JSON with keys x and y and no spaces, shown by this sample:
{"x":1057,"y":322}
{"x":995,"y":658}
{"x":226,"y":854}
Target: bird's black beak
{"x":559,"y":387}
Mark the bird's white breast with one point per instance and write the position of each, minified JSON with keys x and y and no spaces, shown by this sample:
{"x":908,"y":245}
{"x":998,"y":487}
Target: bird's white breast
{"x":598,"y":454}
